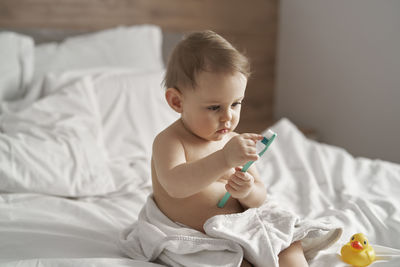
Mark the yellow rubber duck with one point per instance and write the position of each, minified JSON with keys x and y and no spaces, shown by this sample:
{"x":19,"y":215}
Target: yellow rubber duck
{"x":358,"y":252}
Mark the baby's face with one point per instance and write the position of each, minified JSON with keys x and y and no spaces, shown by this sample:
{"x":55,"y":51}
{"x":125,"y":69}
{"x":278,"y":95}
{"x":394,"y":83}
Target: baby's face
{"x":212,"y":109}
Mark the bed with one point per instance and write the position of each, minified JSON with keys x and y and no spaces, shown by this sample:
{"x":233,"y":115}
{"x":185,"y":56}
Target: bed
{"x":77,"y":121}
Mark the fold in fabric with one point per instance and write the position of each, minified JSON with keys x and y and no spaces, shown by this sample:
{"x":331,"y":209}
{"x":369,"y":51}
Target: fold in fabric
{"x":258,"y":234}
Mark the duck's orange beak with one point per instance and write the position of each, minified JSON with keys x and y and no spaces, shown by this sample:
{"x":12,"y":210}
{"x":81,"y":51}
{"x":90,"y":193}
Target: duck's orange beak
{"x":356,"y":245}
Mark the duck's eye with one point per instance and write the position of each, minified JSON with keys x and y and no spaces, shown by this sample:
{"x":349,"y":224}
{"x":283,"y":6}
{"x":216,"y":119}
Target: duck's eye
{"x":352,"y":238}
{"x":365,"y":242}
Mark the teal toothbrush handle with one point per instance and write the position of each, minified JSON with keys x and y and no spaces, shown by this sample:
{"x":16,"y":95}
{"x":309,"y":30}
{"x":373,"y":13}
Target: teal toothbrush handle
{"x":227,"y":195}
{"x":267,"y":143}
{"x":223,"y":200}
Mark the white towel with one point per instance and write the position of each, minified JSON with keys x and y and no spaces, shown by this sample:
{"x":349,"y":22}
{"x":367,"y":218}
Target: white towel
{"x":257,"y":234}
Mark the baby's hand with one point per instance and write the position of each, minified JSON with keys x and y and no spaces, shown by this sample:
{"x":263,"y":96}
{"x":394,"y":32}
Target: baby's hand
{"x":240,"y":184}
{"x":241,"y":149}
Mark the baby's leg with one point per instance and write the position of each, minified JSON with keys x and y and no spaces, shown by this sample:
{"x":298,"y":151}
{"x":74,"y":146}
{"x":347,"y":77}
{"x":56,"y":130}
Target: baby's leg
{"x":293,"y":256}
{"x":245,"y":263}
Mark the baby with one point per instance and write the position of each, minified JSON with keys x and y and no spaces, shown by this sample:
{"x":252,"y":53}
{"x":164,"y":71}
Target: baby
{"x":199,"y":157}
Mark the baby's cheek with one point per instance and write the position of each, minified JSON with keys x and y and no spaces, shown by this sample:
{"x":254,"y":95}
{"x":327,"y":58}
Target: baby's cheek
{"x":203,"y":123}
{"x":235,"y":120}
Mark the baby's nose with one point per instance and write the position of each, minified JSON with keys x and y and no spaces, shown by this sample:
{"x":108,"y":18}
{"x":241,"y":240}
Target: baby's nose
{"x":226,"y":115}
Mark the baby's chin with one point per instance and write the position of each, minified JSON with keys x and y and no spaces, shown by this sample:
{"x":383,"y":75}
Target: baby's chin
{"x":215,"y":136}
{"x":212,"y":138}
{"x":219,"y":136}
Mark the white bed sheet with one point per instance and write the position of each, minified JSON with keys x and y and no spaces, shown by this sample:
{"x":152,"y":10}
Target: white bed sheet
{"x":309,"y":178}
{"x":316,"y":180}
{"x":40,"y":230}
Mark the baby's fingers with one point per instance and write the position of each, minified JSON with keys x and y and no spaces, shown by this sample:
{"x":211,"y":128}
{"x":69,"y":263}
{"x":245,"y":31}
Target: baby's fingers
{"x":239,"y":168}
{"x":243,"y":177}
{"x":230,"y":188}
{"x":253,"y":136}
{"x":237,"y":181}
{"x":251,"y":157}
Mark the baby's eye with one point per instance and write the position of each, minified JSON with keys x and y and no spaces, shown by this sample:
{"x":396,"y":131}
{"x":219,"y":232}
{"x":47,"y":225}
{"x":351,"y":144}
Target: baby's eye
{"x":213,"y":107}
{"x":236,"y":103}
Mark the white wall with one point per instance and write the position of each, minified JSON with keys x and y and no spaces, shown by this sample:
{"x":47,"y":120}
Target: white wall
{"x":338,"y":72}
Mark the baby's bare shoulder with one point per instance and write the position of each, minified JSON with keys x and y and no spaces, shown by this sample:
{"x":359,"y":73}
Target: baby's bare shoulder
{"x":167,"y":148}
{"x":168,"y":138}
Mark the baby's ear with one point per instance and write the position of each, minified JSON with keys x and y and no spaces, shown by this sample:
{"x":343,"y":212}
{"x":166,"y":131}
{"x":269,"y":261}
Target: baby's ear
{"x":174,"y":99}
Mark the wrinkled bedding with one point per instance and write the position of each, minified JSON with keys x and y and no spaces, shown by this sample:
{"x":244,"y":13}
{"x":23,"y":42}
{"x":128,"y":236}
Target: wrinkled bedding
{"x":66,"y":193}
{"x":257,"y":234}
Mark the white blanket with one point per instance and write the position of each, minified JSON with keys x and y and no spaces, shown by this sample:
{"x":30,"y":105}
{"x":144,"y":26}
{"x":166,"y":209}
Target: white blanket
{"x":55,"y":146}
{"x":258,"y":234}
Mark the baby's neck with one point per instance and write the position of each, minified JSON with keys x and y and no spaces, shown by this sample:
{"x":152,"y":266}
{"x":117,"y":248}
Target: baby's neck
{"x":191,"y":133}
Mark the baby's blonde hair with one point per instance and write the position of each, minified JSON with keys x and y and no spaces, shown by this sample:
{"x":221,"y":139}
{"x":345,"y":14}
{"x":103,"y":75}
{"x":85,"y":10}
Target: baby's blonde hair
{"x":203,"y":51}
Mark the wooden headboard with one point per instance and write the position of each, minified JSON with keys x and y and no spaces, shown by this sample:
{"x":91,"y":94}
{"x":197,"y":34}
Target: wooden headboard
{"x":250,"y":25}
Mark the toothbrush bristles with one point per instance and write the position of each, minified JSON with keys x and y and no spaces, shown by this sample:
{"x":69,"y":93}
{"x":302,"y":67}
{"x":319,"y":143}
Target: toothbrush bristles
{"x":264,"y":140}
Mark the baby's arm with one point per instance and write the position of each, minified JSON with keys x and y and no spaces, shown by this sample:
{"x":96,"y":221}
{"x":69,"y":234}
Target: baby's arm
{"x":182,"y":179}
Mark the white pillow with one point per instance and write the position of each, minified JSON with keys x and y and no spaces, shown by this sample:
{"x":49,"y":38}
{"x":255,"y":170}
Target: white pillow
{"x":135,"y":47}
{"x":16,"y":65}
{"x":55,"y":146}
{"x":133,"y":110}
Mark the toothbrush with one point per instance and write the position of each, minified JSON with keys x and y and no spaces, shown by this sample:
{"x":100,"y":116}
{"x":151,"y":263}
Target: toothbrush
{"x":267,"y":142}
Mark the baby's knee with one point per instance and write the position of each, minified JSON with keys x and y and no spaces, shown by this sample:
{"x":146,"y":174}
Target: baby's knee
{"x":293,"y":256}
{"x":245,"y":263}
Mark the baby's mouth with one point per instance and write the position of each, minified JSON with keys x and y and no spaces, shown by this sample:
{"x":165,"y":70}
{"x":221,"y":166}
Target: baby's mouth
{"x":223,"y":130}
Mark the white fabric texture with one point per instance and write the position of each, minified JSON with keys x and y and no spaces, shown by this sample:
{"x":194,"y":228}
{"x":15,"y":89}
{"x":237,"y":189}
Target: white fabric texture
{"x":318,"y":180}
{"x":134,"y":47}
{"x":133,"y":112}
{"x":258,"y":234}
{"x":16,"y":65}
{"x":87,"y":262}
{"x":122,"y":130}
{"x":56,"y":146}
{"x":50,"y":231}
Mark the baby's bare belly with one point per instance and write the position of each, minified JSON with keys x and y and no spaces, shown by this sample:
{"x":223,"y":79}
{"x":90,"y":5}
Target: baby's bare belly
{"x":195,"y":210}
